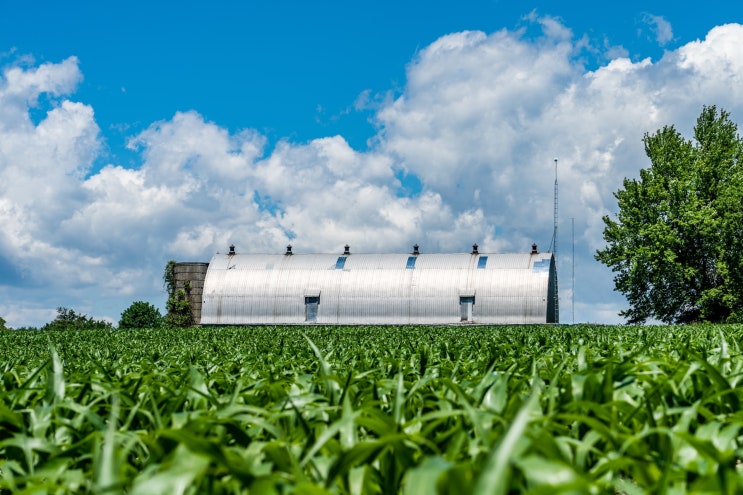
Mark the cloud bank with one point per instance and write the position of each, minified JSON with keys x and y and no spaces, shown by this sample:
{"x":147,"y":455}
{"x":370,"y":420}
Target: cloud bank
{"x":477,"y":125}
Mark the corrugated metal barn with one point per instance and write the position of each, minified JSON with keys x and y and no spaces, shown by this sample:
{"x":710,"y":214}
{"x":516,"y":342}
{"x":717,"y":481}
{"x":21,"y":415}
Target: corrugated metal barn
{"x":350,"y":289}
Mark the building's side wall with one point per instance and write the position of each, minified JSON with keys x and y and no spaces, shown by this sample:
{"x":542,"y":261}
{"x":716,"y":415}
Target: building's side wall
{"x":377,"y":289}
{"x":190,"y":278}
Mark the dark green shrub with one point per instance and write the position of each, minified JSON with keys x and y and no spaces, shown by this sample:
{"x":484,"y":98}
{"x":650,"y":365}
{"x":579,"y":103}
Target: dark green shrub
{"x":141,"y":315}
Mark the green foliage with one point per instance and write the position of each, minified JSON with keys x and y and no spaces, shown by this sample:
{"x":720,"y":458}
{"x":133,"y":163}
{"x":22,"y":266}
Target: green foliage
{"x":2,"y":325}
{"x":67,"y":319}
{"x":141,"y":315}
{"x":169,"y":277}
{"x":177,"y":305}
{"x":340,"y":410}
{"x":675,"y":244}
{"x":179,"y":310}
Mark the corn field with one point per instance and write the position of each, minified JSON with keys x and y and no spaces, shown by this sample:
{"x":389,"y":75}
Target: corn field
{"x":367,"y":410}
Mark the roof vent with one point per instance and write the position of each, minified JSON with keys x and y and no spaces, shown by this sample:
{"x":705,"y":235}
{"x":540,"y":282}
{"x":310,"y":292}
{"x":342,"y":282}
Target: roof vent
{"x":474,"y":249}
{"x":415,"y":250}
{"x":288,"y":250}
{"x":534,"y":249}
{"x":232,"y":249}
{"x":346,"y":249}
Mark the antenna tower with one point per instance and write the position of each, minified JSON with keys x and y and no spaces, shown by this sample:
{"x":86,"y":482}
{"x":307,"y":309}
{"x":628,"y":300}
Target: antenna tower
{"x":554,"y":249}
{"x":554,"y":229}
{"x":572,"y":260}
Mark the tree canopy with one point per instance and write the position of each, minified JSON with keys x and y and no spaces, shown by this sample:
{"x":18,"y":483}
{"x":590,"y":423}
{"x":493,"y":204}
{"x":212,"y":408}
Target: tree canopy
{"x":67,"y":319}
{"x":141,"y":314}
{"x":677,"y":240}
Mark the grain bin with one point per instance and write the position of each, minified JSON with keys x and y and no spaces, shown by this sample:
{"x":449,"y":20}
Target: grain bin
{"x":189,"y":277}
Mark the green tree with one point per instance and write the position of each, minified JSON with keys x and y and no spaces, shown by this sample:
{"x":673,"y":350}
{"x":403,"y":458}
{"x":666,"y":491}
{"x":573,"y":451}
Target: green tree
{"x":177,"y":305}
{"x":676,"y":241}
{"x":67,"y":319}
{"x":2,"y":325}
{"x":141,"y":315}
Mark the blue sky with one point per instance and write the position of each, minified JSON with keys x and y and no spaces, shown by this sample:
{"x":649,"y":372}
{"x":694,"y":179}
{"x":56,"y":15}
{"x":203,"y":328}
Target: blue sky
{"x":288,"y":69}
{"x":138,"y":132}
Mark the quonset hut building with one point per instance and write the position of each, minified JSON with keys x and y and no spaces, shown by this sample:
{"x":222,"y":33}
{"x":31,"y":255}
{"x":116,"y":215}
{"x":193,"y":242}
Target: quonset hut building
{"x":361,"y":289}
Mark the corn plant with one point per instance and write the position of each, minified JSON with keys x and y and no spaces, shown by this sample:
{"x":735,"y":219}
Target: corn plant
{"x":365,"y":410}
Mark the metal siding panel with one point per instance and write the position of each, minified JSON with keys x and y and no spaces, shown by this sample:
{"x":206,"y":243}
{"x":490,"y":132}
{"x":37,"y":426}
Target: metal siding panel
{"x":437,"y":292}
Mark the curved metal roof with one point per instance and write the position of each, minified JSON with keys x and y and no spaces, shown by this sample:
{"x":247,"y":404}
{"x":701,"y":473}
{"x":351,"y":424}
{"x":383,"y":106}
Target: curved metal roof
{"x":242,"y":289}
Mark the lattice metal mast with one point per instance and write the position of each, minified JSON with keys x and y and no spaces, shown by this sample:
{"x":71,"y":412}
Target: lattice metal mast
{"x":554,"y":230}
{"x":554,"y":249}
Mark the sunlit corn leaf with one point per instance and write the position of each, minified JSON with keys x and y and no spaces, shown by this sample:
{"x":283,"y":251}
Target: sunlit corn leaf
{"x":725,"y":391}
{"x":211,"y":450}
{"x":348,"y":432}
{"x":175,"y":477}
{"x":550,"y":476}
{"x":496,"y":473}
{"x":423,"y":479}
{"x":9,"y":420}
{"x":325,"y":370}
{"x":198,"y":393}
{"x":334,"y":429}
{"x":495,"y":396}
{"x":55,"y":384}
{"x":108,"y":464}
{"x":26,"y":450}
{"x":361,"y":453}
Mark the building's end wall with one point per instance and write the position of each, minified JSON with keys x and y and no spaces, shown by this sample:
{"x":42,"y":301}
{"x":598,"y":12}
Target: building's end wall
{"x":553,"y":301}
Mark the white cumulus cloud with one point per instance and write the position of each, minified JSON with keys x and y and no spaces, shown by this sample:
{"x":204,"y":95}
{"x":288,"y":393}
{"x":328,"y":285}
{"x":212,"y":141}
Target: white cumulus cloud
{"x":661,"y":28}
